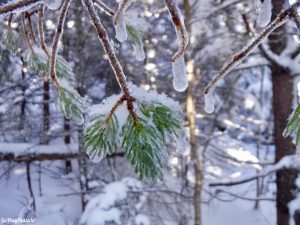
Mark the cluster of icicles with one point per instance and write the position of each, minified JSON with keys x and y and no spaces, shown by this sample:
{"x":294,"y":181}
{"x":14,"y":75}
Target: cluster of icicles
{"x":180,"y":81}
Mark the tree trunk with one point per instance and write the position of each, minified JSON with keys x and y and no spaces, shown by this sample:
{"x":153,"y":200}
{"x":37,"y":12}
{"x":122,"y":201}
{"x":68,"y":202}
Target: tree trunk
{"x":23,"y":102}
{"x":80,"y":77}
{"x":282,"y":83}
{"x":191,"y":118}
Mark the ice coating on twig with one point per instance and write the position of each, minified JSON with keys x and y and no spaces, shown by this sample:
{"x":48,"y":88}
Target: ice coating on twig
{"x":264,"y":12}
{"x":241,"y":55}
{"x":119,"y":21}
{"x":209,"y":102}
{"x":16,"y":6}
{"x":180,"y":81}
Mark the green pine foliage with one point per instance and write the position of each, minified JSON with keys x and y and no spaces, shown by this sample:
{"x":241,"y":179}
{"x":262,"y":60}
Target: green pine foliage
{"x":71,"y":104}
{"x":135,"y":35}
{"x":142,"y":139}
{"x":293,"y":127}
{"x":101,"y":136}
{"x":39,"y":62}
{"x":10,"y":41}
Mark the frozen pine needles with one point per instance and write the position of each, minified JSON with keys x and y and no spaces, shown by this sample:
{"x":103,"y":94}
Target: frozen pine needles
{"x":142,"y":137}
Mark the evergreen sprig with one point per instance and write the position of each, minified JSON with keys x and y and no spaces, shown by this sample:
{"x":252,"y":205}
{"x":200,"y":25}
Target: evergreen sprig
{"x":71,"y":104}
{"x":142,"y":138}
{"x":293,"y":127}
{"x":39,"y":62}
{"x":101,"y":136}
{"x":10,"y":41}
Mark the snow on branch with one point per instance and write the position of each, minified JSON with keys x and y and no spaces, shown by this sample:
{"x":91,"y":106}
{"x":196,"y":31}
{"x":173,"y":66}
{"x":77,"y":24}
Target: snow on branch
{"x":241,"y":55}
{"x":180,"y":81}
{"x":287,"y":162}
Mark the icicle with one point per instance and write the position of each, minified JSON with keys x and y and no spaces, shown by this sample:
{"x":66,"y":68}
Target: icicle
{"x":119,"y":21}
{"x":264,"y":12}
{"x":180,"y":81}
{"x":138,"y":51}
{"x":209,"y":102}
{"x":120,"y":27}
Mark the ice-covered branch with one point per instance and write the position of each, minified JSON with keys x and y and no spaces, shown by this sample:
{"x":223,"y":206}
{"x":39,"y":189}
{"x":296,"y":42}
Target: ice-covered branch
{"x":288,"y":162}
{"x":26,"y":33}
{"x":41,"y":30}
{"x":28,"y":17}
{"x":101,"y":5}
{"x":56,"y":39}
{"x":17,"y":6}
{"x":295,"y":17}
{"x":119,"y":21}
{"x":180,"y":81}
{"x":115,"y":64}
{"x":241,"y":55}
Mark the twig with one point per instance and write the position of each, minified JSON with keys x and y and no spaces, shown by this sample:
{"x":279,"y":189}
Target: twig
{"x":28,"y":17}
{"x":25,"y":31}
{"x":120,"y":11}
{"x":56,"y":39}
{"x":179,"y":26}
{"x":11,"y":7}
{"x":101,"y":5}
{"x":114,"y":108}
{"x":41,"y":30}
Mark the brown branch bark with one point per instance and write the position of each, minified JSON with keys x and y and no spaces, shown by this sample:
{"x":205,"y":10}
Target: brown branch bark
{"x":56,"y":39}
{"x":104,"y":7}
{"x":41,"y":30}
{"x":173,"y":10}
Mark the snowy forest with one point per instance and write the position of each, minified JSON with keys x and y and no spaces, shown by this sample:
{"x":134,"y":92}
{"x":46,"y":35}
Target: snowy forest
{"x":143,"y":112}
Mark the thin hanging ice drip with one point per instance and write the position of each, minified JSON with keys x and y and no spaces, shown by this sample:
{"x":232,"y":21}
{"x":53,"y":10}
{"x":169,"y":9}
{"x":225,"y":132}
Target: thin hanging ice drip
{"x":264,"y":12}
{"x":209,"y":101}
{"x":138,"y":51}
{"x":136,"y":26}
{"x":180,"y":81}
{"x":119,"y":21}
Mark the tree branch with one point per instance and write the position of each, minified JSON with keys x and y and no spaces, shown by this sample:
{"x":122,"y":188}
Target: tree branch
{"x":240,"y":56}
{"x":56,"y":39}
